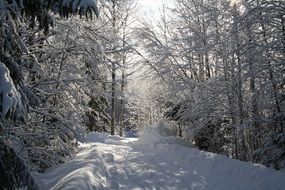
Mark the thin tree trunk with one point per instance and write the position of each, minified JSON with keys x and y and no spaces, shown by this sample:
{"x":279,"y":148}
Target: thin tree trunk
{"x":206,"y":56}
{"x":122,"y":104}
{"x":179,"y":130}
{"x":252,"y":86}
{"x":237,"y":61}
{"x":113,"y":77}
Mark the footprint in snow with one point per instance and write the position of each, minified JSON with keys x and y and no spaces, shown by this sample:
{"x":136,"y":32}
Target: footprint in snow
{"x":108,"y":157}
{"x":113,"y":182}
{"x":113,"y":171}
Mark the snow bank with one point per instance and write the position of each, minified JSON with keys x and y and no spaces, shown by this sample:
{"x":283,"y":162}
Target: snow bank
{"x":160,"y":134}
{"x":87,"y":171}
{"x":217,"y":171}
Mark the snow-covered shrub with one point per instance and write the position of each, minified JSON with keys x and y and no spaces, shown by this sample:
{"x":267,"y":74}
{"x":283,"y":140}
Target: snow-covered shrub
{"x":154,"y":133}
{"x":150,"y":135}
{"x":166,"y":129}
{"x":161,"y":133}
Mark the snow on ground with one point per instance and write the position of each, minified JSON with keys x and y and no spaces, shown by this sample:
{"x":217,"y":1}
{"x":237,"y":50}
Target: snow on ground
{"x":154,"y":162}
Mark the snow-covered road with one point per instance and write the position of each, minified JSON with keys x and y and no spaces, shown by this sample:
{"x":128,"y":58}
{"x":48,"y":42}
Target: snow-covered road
{"x":111,"y":162}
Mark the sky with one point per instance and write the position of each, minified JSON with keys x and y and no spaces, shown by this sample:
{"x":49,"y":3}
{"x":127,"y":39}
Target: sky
{"x":151,"y":8}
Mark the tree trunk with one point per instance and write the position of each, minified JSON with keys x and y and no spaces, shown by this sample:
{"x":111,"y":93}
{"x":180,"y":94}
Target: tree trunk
{"x":252,"y":87}
{"x":179,"y":130}
{"x":113,"y":76}
{"x":122,"y":104}
{"x":237,"y":79}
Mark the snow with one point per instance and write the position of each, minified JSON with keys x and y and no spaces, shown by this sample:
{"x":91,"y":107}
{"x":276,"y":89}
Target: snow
{"x":155,"y":162}
{"x":8,"y":94}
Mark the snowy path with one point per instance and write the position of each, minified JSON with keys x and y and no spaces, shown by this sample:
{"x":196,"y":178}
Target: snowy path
{"x":118,"y":163}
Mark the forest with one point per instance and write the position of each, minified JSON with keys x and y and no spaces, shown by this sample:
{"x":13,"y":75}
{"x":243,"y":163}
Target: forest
{"x":213,"y":70}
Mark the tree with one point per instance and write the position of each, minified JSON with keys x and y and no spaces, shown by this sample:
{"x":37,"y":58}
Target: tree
{"x":15,"y":51}
{"x":24,"y":25}
{"x":118,"y":13}
{"x":222,"y":67}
